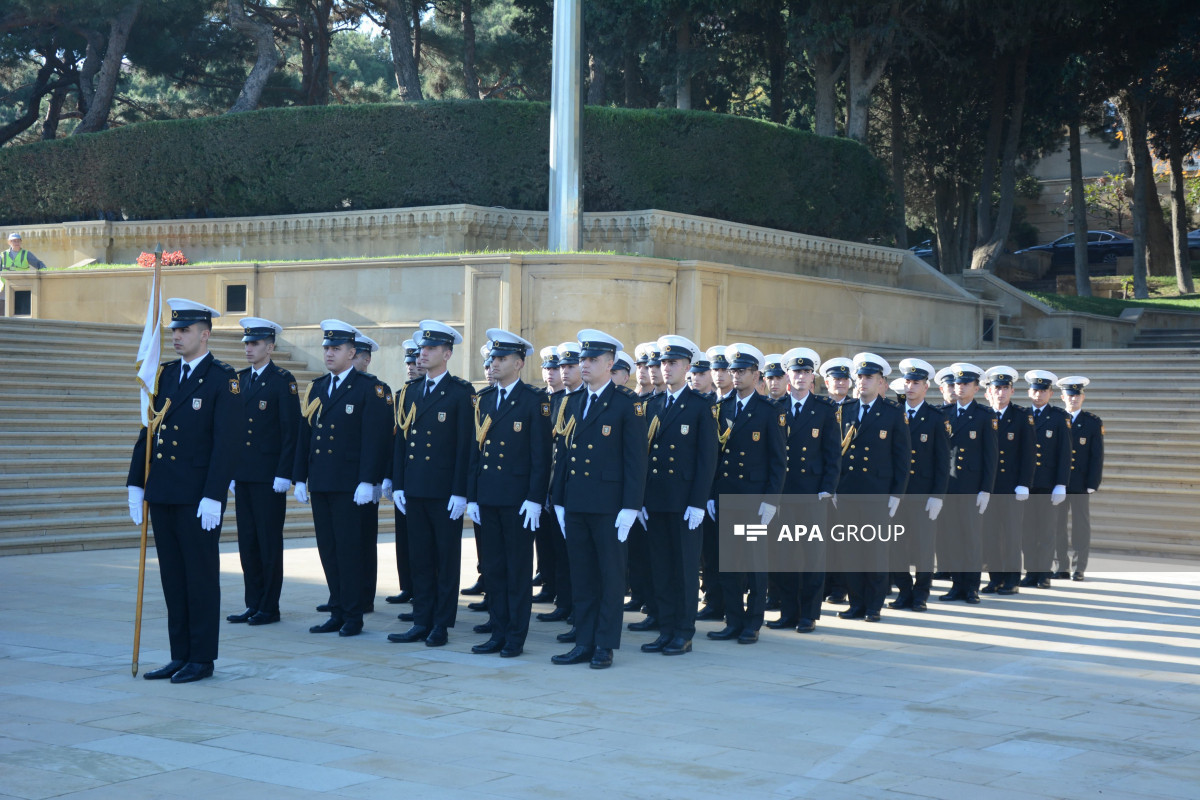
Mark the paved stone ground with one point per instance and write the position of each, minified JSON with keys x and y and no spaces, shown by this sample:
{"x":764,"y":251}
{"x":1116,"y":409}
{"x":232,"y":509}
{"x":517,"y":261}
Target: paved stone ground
{"x":1087,"y":690}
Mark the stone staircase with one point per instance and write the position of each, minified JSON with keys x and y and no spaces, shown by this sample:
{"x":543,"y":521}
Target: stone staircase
{"x":1167,"y":338}
{"x":70,"y":407}
{"x":1149,"y":499}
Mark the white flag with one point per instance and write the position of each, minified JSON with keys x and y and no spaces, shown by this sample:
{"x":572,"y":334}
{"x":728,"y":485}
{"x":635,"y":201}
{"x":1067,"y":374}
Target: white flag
{"x":149,"y":349}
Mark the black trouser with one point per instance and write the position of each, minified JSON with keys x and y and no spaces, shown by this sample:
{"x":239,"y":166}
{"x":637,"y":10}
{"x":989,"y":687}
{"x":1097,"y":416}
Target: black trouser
{"x":597,"y":578}
{"x":747,"y":616}
{"x":543,"y":543}
{"x":338,"y":522}
{"x":675,"y":563}
{"x":370,"y":554}
{"x":963,"y":547}
{"x":403,"y":566}
{"x":564,"y":595}
{"x":435,"y":551}
{"x":801,"y":593}
{"x":507,"y":553}
{"x":189,"y":564}
{"x":641,"y":577}
{"x":916,"y":549}
{"x":1080,"y":543}
{"x":259,"y":511}
{"x":867,"y":576}
{"x":1037,"y":539}
{"x":710,"y":556}
{"x":1002,"y":527}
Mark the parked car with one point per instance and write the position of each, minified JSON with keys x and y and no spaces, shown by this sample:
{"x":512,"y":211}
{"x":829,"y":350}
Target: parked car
{"x":1104,"y":247}
{"x":926,"y":252}
{"x":1194,"y":245}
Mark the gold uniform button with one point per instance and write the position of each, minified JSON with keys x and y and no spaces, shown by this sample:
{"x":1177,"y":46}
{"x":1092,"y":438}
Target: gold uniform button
{"x":499,"y":467}
{"x":318,"y":452}
{"x":172,"y":458}
{"x":318,"y":438}
{"x":654,"y":459}
{"x":320,"y":425}
{"x":331,"y":438}
{"x":252,"y":419}
{"x":502,"y":444}
{"x":174,"y":444}
{"x":572,"y":472}
{"x":589,"y":447}
{"x":159,"y":455}
{"x":332,"y":426}
{"x":426,"y":458}
{"x":411,"y":457}
{"x":672,"y":446}
{"x":670,"y":472}
{"x":175,"y":427}
{"x":488,"y":441}
{"x":655,"y":447}
{"x":485,"y":466}
{"x":572,"y":459}
{"x":654,"y":471}
{"x":585,"y":475}
{"x":726,"y":474}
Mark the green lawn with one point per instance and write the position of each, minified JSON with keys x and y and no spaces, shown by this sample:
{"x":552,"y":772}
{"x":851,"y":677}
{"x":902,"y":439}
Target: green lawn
{"x":1163,"y":295}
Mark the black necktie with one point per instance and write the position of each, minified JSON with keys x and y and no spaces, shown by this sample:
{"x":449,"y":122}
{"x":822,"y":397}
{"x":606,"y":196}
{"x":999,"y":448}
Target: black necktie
{"x":183,"y":375}
{"x":912,"y":413}
{"x":737,"y":407}
{"x":1037,"y":413}
{"x":428,"y":388}
{"x":587,"y":408}
{"x":253,"y":377}
{"x":795,"y":410}
{"x":863,"y":411}
{"x":333,"y":385}
{"x":960,"y":411}
{"x":670,"y":400}
{"x":499,"y":400}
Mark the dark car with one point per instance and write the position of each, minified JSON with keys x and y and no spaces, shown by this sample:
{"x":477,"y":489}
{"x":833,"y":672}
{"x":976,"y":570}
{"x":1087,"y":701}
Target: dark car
{"x":1194,"y":245}
{"x":1104,"y":247}
{"x":925,"y":251}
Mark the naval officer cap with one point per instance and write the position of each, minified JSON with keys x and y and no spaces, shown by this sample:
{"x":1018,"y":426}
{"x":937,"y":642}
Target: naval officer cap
{"x":944,"y":376}
{"x":486,"y":352}
{"x":335,"y":332}
{"x":701,"y":363}
{"x":594,"y":343}
{"x":1073,"y":384}
{"x":622,"y":361}
{"x":676,"y":347}
{"x":504,"y":343}
{"x":411,"y":351}
{"x":1040,"y":379}
{"x":899,"y":386}
{"x":186,"y":312}
{"x":568,"y":354}
{"x":1001,"y":376}
{"x":914,"y":369}
{"x":837,"y":368}
{"x":744,"y":356}
{"x":871,"y":364}
{"x":773,"y":365}
{"x":549,"y":357}
{"x":802,"y":358}
{"x":365,"y":344}
{"x":965,"y":372}
{"x":431,"y":333}
{"x":716,"y":357}
{"x":255,"y":329}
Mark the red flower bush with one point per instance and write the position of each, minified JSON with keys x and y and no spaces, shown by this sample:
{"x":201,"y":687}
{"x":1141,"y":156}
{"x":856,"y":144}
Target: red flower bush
{"x":174,"y":258}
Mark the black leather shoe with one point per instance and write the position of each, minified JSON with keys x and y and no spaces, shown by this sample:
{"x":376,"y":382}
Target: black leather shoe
{"x":1029,"y":581}
{"x":328,"y":626}
{"x":576,"y":655}
{"x":483,"y":627}
{"x":193,"y":671}
{"x":836,"y":598}
{"x":990,"y":588}
{"x":543,"y":597}
{"x":482,"y":605}
{"x":325,"y":608}
{"x":647,"y":624}
{"x":919,"y":605}
{"x":872,"y":616}
{"x":1061,"y":575}
{"x":474,"y":590}
{"x":1044,"y":583}
{"x":747,"y":637}
{"x":725,"y":633}
{"x":263,"y":618}
{"x":417,"y":633}
{"x":437,"y":636}
{"x":773,"y":604}
{"x":657,"y":645}
{"x":633,"y":605}
{"x":557,"y":615}
{"x":601,"y":659}
{"x":901,"y":602}
{"x":567,"y":637}
{"x":1008,"y":590}
{"x":351,"y":628}
{"x":852,"y":613}
{"x":1078,"y":576}
{"x":941,"y":576}
{"x":242,"y":617}
{"x":511,"y":650}
{"x":488,"y":647}
{"x":165,"y":671}
{"x":396,"y":599}
{"x":709,"y":613}
{"x":369,"y":609}
{"x":972,"y":597}
{"x":781,"y":623}
{"x":406,"y":616}
{"x":806,"y":626}
{"x":953,"y":594}
{"x":677,"y":647}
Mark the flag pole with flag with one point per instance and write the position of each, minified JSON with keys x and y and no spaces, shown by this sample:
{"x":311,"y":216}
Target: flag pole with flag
{"x":149,"y":351}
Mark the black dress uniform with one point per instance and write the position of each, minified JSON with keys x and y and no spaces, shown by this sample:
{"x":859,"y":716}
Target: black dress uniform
{"x":753,"y":460}
{"x":683,"y":458}
{"x":1004,"y":522}
{"x":271,"y":406}
{"x":814,"y":456}
{"x":192,"y":458}
{"x":835,"y":573}
{"x":1052,"y":467}
{"x":511,"y":465}
{"x":563,"y":596}
{"x":928,"y":475}
{"x":370,"y":516}
{"x":430,"y":465}
{"x":1087,"y":468}
{"x":972,"y":470}
{"x":342,"y":443}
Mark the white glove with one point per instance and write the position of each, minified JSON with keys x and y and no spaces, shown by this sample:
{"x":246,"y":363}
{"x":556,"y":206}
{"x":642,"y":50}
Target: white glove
{"x":823,"y":495}
{"x":934,"y":506}
{"x":1058,"y":494}
{"x":281,"y":485}
{"x":625,"y":519}
{"x":893,"y":505}
{"x":981,"y":501}
{"x":644,"y":518}
{"x":301,"y":493}
{"x":694,"y":517}
{"x":209,"y":513}
{"x":363,"y":494}
{"x":456,"y":506}
{"x":1091,"y":491}
{"x":712,"y":510}
{"x":1022,"y":494}
{"x":231,"y":490}
{"x":398,"y":499}
{"x":385,"y":488}
{"x":561,"y":513}
{"x":473,"y":512}
{"x":532,"y":513}
{"x":135,"y":503}
{"x":766,"y":512}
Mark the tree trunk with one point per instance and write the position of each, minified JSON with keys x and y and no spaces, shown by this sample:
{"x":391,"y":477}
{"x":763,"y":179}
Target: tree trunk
{"x":952,"y":214}
{"x":862,"y":77}
{"x":1179,"y":209}
{"x":33,"y":105}
{"x":1160,"y":258}
{"x":827,"y":71}
{"x":900,"y":225}
{"x":1133,"y":117}
{"x":776,"y":50}
{"x":991,"y":151}
{"x":314,"y":53}
{"x":53,"y":114}
{"x":417,"y":7}
{"x":596,"y":81}
{"x":987,"y":256}
{"x":93,"y":55}
{"x":266,"y":59}
{"x":470,"y":78}
{"x":96,"y":117}
{"x":404,"y":62}
{"x":683,"y":69}
{"x":1083,"y":283}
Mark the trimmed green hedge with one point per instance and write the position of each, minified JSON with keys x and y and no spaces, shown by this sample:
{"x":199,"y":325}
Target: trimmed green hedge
{"x":298,"y":160}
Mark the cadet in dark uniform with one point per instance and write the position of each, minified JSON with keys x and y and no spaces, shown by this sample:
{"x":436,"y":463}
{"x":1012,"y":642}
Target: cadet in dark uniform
{"x":945,"y":382}
{"x":263,"y":471}
{"x":683,"y":458}
{"x":928,"y":474}
{"x":403,"y":567}
{"x":700,"y":377}
{"x":814,"y":455}
{"x":714,"y":602}
{"x":364,"y":346}
{"x":543,"y":542}
{"x":641,"y":579}
{"x":1004,"y":521}
{"x":645,"y":386}
{"x":1087,"y":468}
{"x":622,"y":368}
{"x":1051,"y":474}
{"x":598,"y":487}
{"x":836,"y":374}
{"x":341,"y":455}
{"x":775,"y":376}
{"x":752,"y":460}
{"x":506,"y":488}
{"x":430,"y":480}
{"x":567,"y":357}
{"x":194,"y":449}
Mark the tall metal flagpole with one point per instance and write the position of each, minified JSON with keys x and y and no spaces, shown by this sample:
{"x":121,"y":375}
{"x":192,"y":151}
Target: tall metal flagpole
{"x":566,"y":109}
